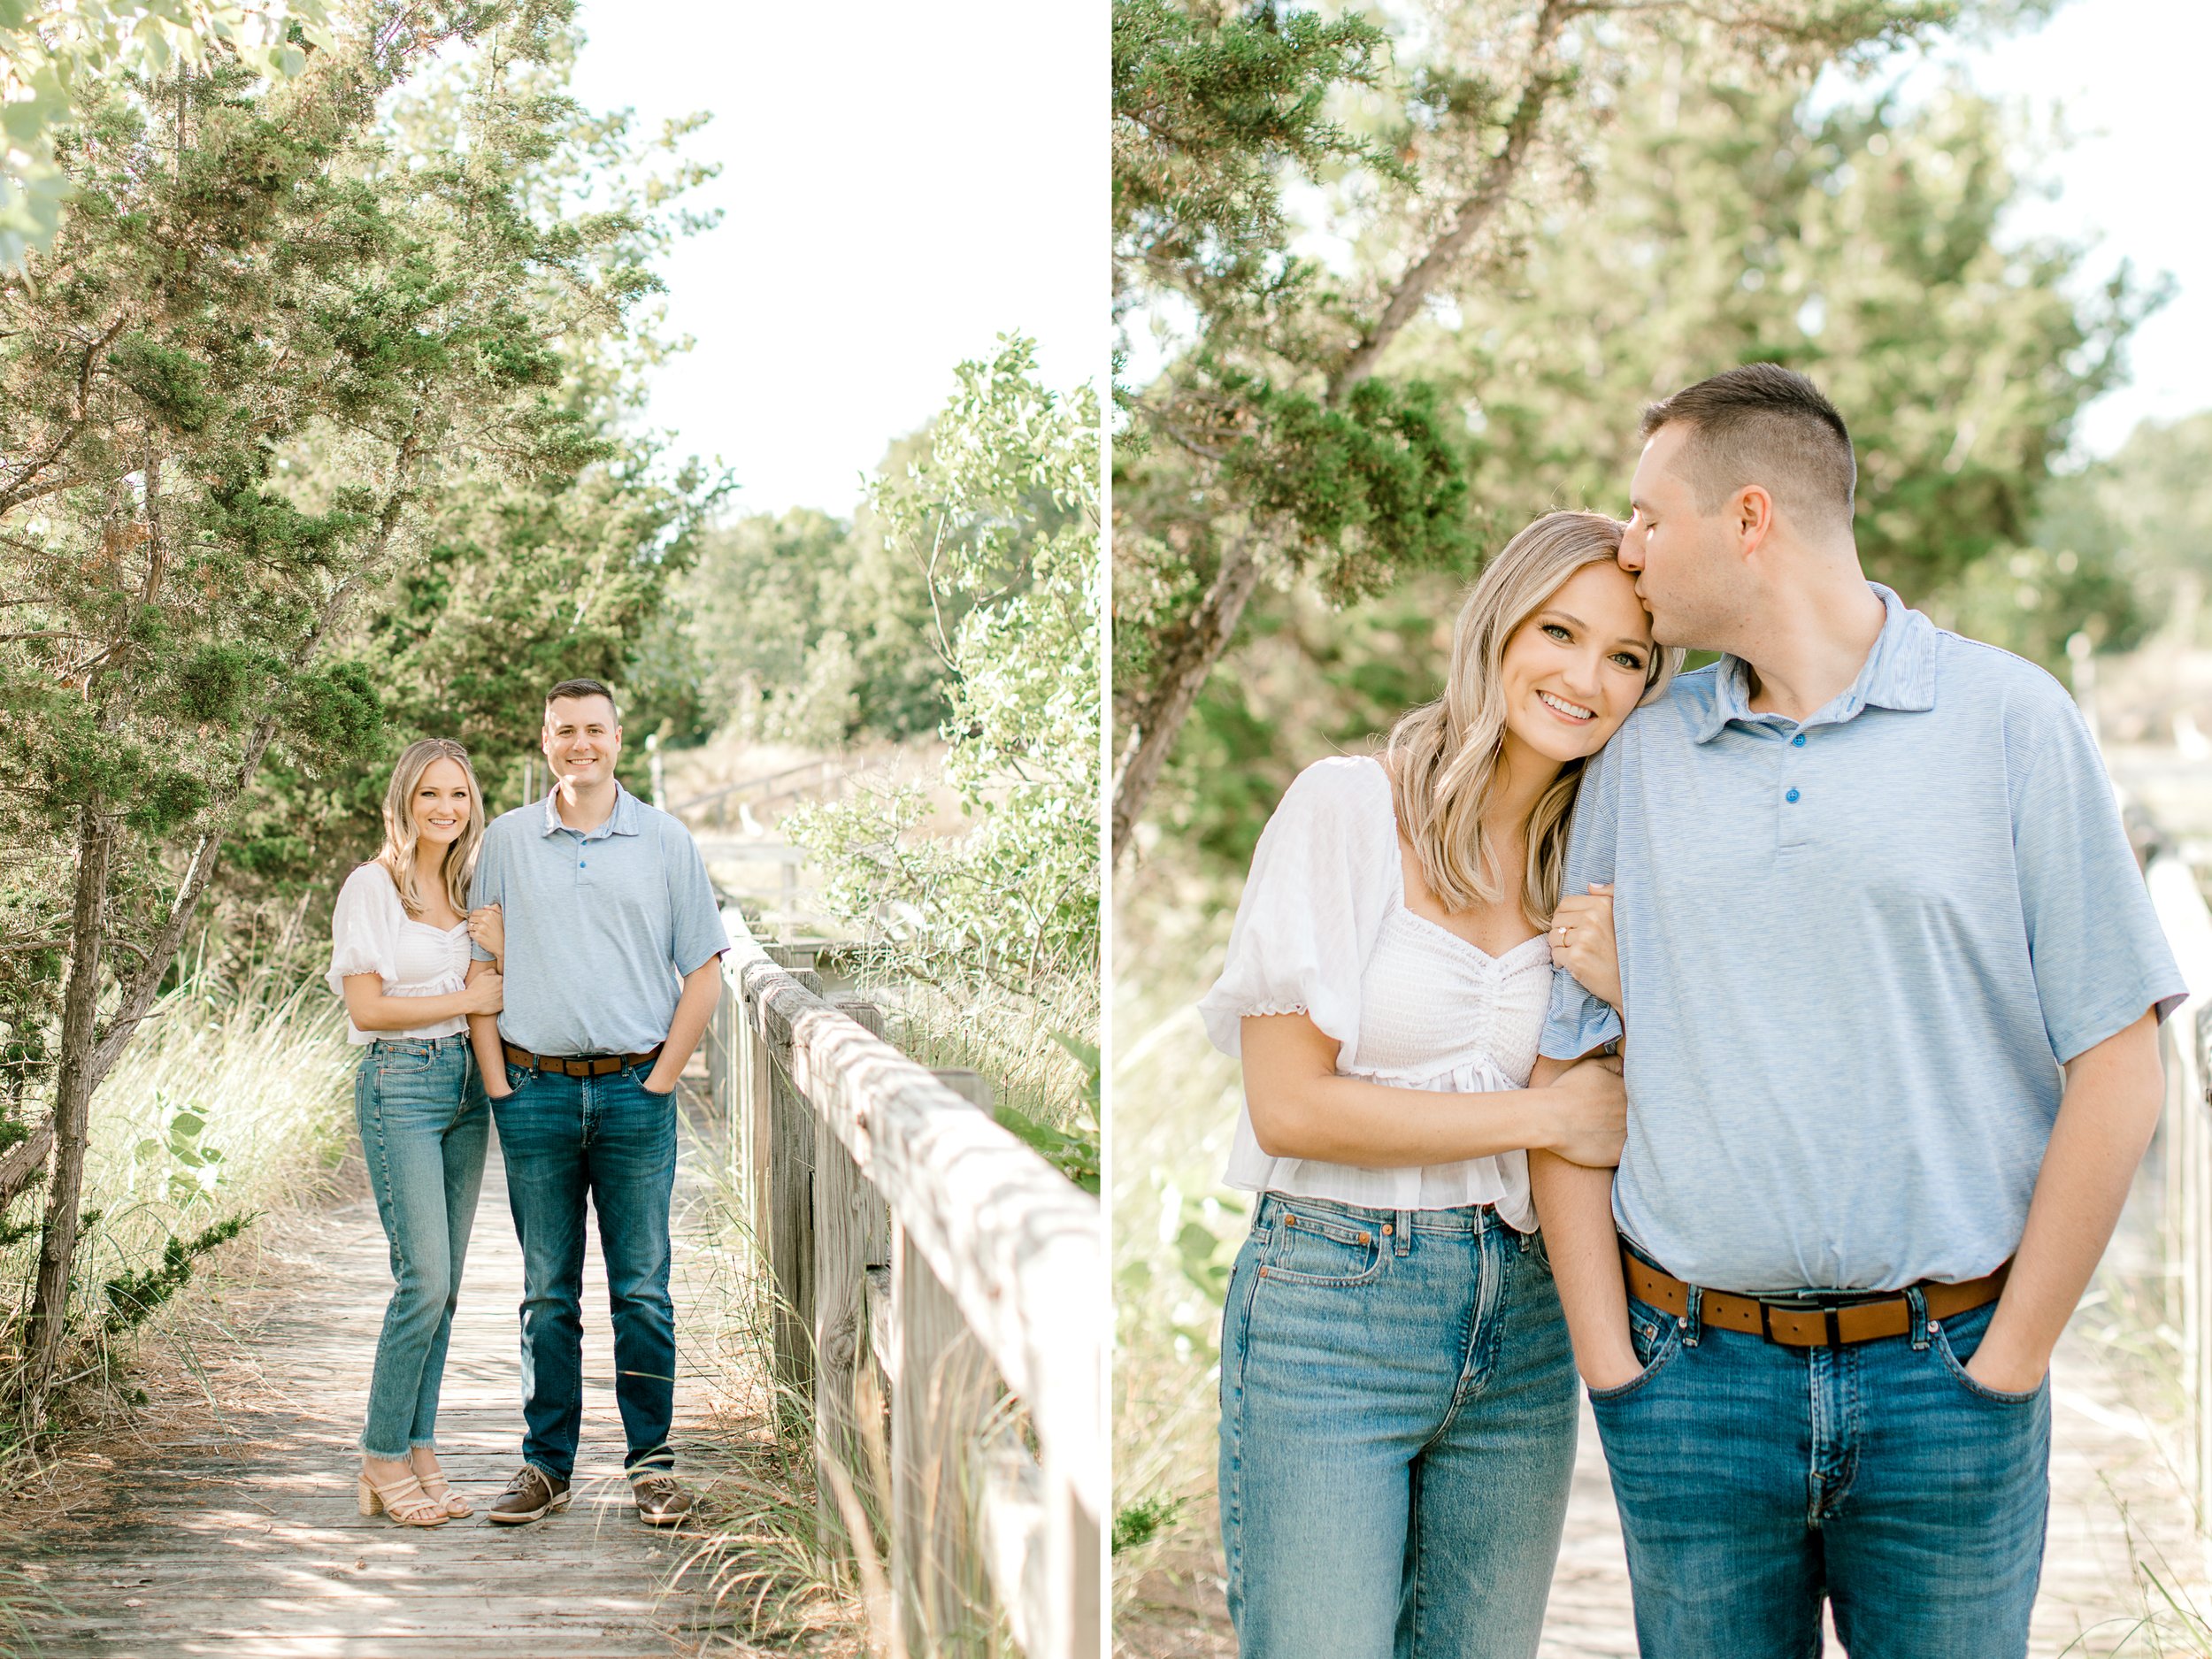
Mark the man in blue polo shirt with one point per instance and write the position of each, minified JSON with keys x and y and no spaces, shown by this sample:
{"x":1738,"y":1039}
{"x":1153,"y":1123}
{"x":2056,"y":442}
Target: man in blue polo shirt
{"x":612,"y":943}
{"x":1891,"y":982}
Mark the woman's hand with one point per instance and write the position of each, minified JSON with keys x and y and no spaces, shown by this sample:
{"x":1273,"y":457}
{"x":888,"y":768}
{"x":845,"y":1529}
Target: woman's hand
{"x":481,"y":994}
{"x":1588,"y":1114}
{"x":1582,"y":942}
{"x":488,"y":929}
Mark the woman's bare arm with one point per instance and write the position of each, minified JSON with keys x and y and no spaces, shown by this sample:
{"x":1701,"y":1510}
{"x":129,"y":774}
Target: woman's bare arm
{"x":1301,"y":1107}
{"x":370,"y":1009}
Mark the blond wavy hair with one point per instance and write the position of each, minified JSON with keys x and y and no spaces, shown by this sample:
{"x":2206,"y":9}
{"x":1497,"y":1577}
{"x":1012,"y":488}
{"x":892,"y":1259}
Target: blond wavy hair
{"x":1444,"y":757}
{"x":397,"y":855}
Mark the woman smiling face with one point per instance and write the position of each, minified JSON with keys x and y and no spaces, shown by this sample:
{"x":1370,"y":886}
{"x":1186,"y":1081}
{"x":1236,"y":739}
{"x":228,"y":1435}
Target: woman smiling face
{"x":1573,"y":670}
{"x":440,"y":803}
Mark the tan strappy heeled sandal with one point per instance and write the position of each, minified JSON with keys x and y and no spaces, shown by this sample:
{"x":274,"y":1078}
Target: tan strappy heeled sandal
{"x":439,"y":1490}
{"x":404,"y":1501}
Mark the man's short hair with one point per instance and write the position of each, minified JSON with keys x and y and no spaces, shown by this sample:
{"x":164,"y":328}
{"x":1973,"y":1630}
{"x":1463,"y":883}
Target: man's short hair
{"x":1765,"y":425}
{"x":584,"y":688}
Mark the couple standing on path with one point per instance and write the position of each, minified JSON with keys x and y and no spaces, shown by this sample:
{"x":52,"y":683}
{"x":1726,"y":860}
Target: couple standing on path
{"x":1854,"y":909}
{"x":569,"y":952}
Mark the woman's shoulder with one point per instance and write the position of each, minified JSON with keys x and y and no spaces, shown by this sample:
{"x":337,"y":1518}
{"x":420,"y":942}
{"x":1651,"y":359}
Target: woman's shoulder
{"x":370,"y":883}
{"x":1343,"y":788}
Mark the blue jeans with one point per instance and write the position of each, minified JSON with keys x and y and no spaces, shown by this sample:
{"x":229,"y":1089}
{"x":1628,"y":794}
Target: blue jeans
{"x":610,"y":1139}
{"x":420,"y":1106}
{"x":1397,"y":1434}
{"x":1752,"y":1480}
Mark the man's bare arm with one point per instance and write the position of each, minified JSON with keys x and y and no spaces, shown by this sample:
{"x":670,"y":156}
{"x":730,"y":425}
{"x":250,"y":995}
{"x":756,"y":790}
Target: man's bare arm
{"x":1574,"y":1205}
{"x":2114,"y":1091}
{"x":703,"y":989}
{"x":484,"y":1039}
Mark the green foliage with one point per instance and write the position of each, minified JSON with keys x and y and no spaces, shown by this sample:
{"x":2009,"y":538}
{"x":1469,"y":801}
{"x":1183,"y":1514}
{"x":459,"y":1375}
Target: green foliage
{"x":134,"y":1294}
{"x":1141,"y":1522}
{"x":57,"y":56}
{"x":814,"y":630}
{"x":1212,"y":112}
{"x":1001,"y":517}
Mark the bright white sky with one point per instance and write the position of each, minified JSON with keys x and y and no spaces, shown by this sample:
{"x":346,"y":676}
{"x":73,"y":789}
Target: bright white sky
{"x":2130,"y":75}
{"x":901,"y":184}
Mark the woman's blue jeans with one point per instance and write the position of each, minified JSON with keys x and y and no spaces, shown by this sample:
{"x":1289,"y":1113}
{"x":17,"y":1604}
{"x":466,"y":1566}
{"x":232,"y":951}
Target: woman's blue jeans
{"x":1397,"y":1434}
{"x":1754,"y":1480}
{"x":424,"y":1125}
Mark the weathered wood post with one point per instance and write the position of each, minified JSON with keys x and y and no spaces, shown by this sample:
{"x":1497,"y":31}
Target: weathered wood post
{"x":945,"y":1391}
{"x":851,"y":1235}
{"x":790,"y":1188}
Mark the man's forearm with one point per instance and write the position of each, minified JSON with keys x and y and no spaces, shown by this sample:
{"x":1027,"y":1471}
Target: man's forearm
{"x":703,"y":989}
{"x":1574,"y":1205}
{"x":490,"y":1060}
{"x":2111,"y":1105}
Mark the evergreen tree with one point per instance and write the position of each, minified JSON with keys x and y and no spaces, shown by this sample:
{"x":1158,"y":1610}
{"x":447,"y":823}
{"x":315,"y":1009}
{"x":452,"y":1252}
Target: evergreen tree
{"x":244,"y":281}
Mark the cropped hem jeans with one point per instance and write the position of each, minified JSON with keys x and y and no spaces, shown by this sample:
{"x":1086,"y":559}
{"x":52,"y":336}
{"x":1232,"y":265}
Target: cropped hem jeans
{"x":612,"y":1140}
{"x":1756,"y":1480}
{"x":424,"y":1124}
{"x":1397,"y":1434}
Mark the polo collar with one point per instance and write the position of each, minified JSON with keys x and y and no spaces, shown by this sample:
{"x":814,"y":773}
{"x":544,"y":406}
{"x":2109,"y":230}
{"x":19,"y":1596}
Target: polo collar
{"x":626,"y":819}
{"x":1899,"y":673}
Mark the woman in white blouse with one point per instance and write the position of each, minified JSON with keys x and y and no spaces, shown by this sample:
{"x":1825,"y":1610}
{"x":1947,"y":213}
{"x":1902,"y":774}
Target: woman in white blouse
{"x":400,"y":957}
{"x":1397,"y":1389}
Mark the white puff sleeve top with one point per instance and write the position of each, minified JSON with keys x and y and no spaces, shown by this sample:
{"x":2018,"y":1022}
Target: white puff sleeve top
{"x":371,"y":932}
{"x":1322,"y":930}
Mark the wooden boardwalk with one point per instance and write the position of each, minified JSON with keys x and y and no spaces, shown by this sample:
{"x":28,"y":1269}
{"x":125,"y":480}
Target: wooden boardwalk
{"x":243,"y":1539}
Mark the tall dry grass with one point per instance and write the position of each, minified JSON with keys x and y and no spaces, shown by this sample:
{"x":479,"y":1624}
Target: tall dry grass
{"x":234,"y":1101}
{"x":1176,"y":1228}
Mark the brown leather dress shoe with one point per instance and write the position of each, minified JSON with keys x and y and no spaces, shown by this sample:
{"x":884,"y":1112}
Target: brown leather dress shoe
{"x":661,"y":1500}
{"x":530,"y":1495}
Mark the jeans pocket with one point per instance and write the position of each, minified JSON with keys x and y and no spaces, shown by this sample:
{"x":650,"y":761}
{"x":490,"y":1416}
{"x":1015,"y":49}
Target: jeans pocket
{"x":1939,"y":1337}
{"x":1658,"y":1337}
{"x":402,"y":1060}
{"x":1322,"y":1249}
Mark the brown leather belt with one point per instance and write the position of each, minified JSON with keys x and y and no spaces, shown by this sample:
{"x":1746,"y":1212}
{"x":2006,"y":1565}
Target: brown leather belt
{"x":1807,"y":1324}
{"x":578,"y":1064}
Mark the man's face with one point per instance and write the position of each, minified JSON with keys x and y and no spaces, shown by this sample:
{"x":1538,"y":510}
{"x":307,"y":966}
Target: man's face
{"x":1678,"y":555}
{"x":581,"y":742}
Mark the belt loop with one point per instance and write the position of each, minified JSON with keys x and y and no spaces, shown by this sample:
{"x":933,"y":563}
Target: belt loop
{"x":1918,"y":1304}
{"x":1694,"y":1316}
{"x":1403,"y":1236}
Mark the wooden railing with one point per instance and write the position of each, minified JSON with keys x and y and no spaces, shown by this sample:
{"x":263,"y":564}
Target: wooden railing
{"x":917,"y":1249}
{"x":2186,"y":1133}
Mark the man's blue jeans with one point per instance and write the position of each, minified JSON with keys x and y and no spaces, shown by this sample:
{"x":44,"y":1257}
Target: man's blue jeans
{"x":1397,"y":1434}
{"x":420,"y":1107}
{"x":1752,"y":1480}
{"x":610,"y":1139}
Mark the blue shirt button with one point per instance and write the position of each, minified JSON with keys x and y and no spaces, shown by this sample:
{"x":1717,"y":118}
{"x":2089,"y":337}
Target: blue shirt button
{"x":1792,"y":796}
{"x":1798,"y":741}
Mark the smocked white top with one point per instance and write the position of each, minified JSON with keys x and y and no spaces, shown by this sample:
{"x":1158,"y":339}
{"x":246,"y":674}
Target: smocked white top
{"x":371,"y":932}
{"x":1322,"y":930}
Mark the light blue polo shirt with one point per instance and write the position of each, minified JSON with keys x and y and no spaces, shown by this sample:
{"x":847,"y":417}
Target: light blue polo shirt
{"x":601,"y":928}
{"x":1855,"y":954}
